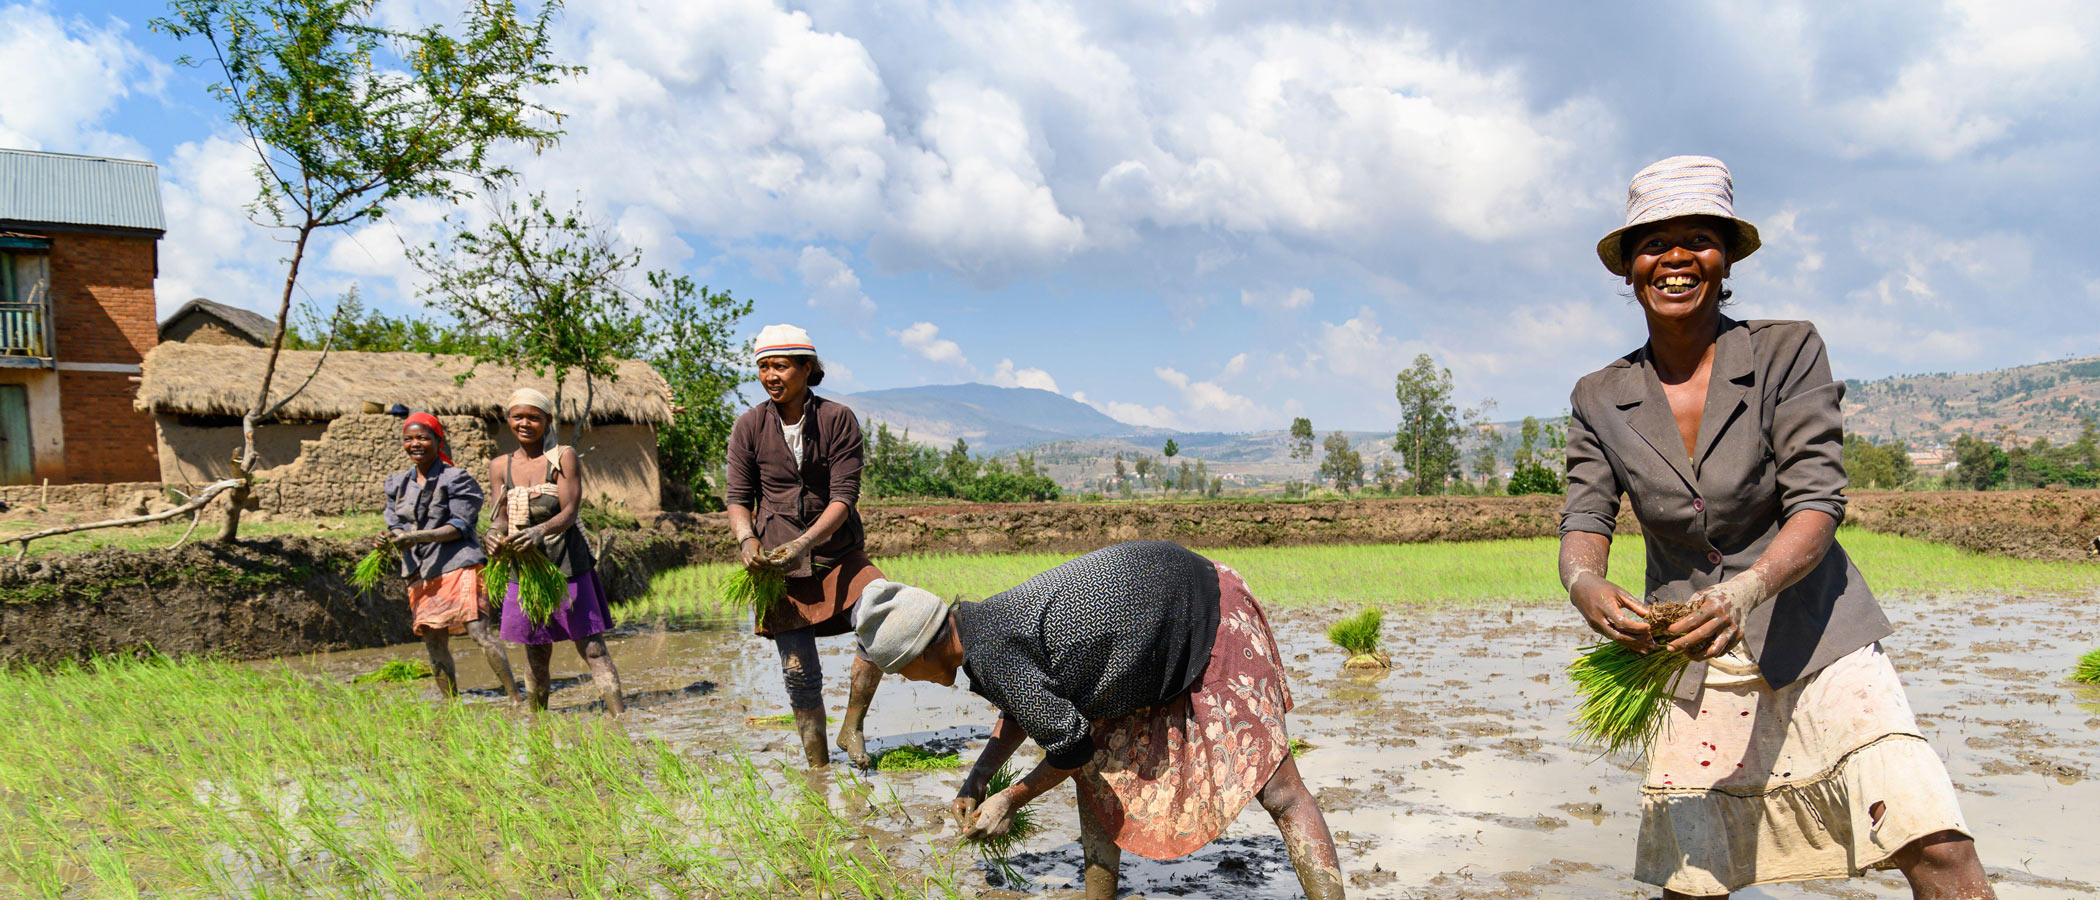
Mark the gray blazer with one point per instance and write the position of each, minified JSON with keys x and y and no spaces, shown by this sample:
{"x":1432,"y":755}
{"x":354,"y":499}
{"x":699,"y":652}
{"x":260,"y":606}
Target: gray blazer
{"x":449,"y":496}
{"x":1768,"y":447}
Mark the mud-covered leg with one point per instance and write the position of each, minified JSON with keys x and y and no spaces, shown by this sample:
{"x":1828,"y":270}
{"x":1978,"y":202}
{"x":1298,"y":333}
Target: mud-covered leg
{"x":498,"y":656}
{"x":1304,"y":832}
{"x":866,"y":676}
{"x":538,"y":684}
{"x":604,"y":675}
{"x":438,"y":644}
{"x":1943,"y":866}
{"x":1104,"y":860}
{"x":803,"y":675}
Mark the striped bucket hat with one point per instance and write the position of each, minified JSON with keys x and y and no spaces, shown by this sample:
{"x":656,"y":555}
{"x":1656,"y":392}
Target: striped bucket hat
{"x":1674,"y":187}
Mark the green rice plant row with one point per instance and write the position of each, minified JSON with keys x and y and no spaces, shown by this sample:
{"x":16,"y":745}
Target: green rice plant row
{"x":205,"y":778}
{"x":913,"y":758}
{"x":396,"y":671}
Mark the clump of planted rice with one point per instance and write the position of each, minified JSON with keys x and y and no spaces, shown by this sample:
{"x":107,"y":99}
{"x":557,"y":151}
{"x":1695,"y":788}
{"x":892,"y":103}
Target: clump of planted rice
{"x":913,"y":758}
{"x":396,"y":671}
{"x":1358,"y":634}
{"x":2088,"y":670}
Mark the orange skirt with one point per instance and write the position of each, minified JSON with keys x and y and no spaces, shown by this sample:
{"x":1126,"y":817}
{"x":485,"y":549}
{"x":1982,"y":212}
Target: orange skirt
{"x":447,"y":602}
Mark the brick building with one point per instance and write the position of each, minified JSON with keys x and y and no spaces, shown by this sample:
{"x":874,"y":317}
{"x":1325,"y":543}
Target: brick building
{"x":79,"y":249}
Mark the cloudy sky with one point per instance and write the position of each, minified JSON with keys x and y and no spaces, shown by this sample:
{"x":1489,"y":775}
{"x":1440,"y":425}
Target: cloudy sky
{"x":1214,"y":214}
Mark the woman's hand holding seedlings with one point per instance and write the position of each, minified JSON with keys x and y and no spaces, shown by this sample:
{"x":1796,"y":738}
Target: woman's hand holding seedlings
{"x":1718,"y":614}
{"x":995,"y":817}
{"x":1610,"y":610}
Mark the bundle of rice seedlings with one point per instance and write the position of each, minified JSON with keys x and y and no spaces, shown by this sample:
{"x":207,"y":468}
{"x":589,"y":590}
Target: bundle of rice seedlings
{"x":756,"y":591}
{"x":369,"y":570}
{"x":997,"y":851}
{"x":913,"y":758}
{"x":541,"y":589}
{"x":1358,"y":634}
{"x":1625,"y":693}
{"x":2088,"y":671}
{"x":396,"y":671}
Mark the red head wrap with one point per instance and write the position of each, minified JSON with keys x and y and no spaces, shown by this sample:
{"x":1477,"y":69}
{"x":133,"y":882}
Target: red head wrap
{"x":436,"y":430}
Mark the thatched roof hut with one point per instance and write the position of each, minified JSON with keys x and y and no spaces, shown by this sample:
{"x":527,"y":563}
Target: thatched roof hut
{"x":327,"y":449}
{"x":220,"y":380}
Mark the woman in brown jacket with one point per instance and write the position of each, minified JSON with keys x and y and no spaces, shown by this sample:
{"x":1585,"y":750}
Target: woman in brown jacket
{"x":1791,"y":752}
{"x":793,"y":479}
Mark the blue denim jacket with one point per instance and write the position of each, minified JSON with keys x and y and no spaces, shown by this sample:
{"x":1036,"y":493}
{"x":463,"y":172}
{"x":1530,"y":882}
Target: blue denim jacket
{"x":449,"y":496}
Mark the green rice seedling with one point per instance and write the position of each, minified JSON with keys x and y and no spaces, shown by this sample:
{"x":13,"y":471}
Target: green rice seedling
{"x":777,"y":720}
{"x":396,"y":671}
{"x":1300,"y":748}
{"x":371,"y":568}
{"x":997,"y":851}
{"x":912,"y":758}
{"x":2088,"y":671}
{"x":1624,"y":694}
{"x":541,"y":587}
{"x":1358,"y":634}
{"x":753,"y":590}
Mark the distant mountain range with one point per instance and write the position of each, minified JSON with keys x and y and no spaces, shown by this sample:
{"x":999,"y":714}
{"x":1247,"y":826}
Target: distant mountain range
{"x":1078,"y":443}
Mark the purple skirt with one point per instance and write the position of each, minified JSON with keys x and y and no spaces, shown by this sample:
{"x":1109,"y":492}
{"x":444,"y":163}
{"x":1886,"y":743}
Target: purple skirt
{"x":584,"y":615}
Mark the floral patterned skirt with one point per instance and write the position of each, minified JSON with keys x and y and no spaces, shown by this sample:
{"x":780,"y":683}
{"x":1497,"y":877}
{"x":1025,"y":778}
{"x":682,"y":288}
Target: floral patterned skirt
{"x":1167,"y":780}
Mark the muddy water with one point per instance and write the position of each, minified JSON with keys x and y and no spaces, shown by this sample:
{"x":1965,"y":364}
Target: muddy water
{"x":1451,"y":776}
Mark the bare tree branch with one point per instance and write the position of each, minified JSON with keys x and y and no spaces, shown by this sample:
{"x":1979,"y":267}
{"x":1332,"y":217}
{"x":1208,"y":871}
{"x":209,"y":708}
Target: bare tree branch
{"x":195,"y":503}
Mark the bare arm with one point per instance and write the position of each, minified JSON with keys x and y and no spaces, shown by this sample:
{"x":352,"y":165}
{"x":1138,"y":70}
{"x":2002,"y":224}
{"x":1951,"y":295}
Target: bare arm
{"x":1609,"y":609}
{"x":1006,"y":738}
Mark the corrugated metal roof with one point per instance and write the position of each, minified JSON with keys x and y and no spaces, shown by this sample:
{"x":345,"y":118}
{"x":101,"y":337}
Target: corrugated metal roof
{"x":64,"y":189}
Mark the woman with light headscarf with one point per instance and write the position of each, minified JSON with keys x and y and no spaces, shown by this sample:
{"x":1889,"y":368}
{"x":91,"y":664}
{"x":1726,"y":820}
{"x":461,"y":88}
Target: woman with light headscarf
{"x":430,"y":512}
{"x":539,"y":490}
{"x":1790,"y":752}
{"x":793,"y":480}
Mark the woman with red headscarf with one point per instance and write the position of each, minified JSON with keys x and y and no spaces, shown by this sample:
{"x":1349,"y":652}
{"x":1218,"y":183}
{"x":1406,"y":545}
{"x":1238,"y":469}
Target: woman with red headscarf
{"x":430,"y":513}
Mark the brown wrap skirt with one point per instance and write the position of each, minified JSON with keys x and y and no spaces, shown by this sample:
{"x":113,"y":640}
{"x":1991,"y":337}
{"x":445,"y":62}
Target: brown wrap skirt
{"x":824,"y":600}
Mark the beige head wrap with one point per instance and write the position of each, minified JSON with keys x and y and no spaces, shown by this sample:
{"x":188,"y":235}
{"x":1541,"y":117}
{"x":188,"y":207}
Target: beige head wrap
{"x":526,"y":396}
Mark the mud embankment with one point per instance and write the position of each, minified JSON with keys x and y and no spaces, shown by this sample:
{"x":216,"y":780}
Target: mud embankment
{"x":269,"y":597}
{"x":2045,"y":524}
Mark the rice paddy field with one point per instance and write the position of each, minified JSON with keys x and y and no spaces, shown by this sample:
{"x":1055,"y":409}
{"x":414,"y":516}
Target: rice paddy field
{"x":1453,"y":774}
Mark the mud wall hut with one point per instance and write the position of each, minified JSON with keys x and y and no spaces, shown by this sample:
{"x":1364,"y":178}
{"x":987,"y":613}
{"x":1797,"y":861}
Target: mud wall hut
{"x":328,"y":451}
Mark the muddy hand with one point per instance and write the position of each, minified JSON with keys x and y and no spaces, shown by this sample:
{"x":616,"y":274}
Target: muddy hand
{"x":1718,"y":614}
{"x":969,"y":795}
{"x":1611,"y":611}
{"x":995,"y":817}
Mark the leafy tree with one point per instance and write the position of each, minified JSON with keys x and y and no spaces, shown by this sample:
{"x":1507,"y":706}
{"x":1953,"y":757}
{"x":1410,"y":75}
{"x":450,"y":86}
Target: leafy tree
{"x":1978,"y":464}
{"x":1533,"y":473}
{"x":693,"y":346}
{"x":351,"y":326}
{"x":1388,"y":475}
{"x":1185,"y":478}
{"x":348,"y":116}
{"x":1427,"y":439}
{"x":1873,"y":466}
{"x":1122,"y":474}
{"x":1217,"y":487}
{"x":957,"y":465}
{"x":1171,"y":449}
{"x":1202,"y":476}
{"x":1343,"y":466}
{"x":1294,"y":488}
{"x":1484,"y":442}
{"x":1301,"y":438}
{"x":1144,"y":468}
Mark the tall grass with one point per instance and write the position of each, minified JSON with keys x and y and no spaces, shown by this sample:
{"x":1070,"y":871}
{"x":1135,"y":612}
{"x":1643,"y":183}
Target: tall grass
{"x":1466,"y":574}
{"x":208,"y":779}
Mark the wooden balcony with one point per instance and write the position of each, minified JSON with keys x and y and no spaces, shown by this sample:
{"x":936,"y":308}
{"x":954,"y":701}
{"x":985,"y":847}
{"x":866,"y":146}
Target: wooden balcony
{"x":25,"y":334}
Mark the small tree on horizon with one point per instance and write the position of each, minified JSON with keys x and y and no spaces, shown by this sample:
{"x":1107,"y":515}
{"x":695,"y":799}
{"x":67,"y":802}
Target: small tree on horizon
{"x":1427,"y":438}
{"x":1343,"y":466}
{"x":1301,"y":440}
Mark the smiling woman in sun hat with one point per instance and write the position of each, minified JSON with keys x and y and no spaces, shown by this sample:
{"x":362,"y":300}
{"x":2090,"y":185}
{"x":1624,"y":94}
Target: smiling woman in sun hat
{"x":1790,"y":752}
{"x":792,"y":485}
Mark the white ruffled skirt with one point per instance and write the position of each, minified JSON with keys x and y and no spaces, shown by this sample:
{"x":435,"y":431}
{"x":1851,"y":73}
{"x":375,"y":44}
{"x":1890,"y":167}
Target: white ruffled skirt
{"x":1750,"y":785}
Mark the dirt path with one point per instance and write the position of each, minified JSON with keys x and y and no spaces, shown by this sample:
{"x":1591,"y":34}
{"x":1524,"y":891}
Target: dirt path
{"x":1452,"y":776}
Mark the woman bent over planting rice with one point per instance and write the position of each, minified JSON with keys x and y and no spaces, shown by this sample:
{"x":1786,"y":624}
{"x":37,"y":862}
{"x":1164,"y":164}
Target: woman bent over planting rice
{"x":1788,"y":751}
{"x":793,"y":480}
{"x":431,"y":509}
{"x":1148,"y":674}
{"x":534,"y":535}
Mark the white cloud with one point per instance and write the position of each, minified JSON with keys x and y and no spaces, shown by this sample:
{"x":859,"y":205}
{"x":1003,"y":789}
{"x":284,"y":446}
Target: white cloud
{"x":834,"y":289}
{"x":1008,"y":376}
{"x":924,"y":338}
{"x":1210,"y":404}
{"x":1276,"y":299}
{"x":64,"y":77}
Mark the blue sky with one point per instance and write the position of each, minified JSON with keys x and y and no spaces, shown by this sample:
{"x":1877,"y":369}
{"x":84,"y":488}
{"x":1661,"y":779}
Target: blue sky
{"x":1208,"y":214}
